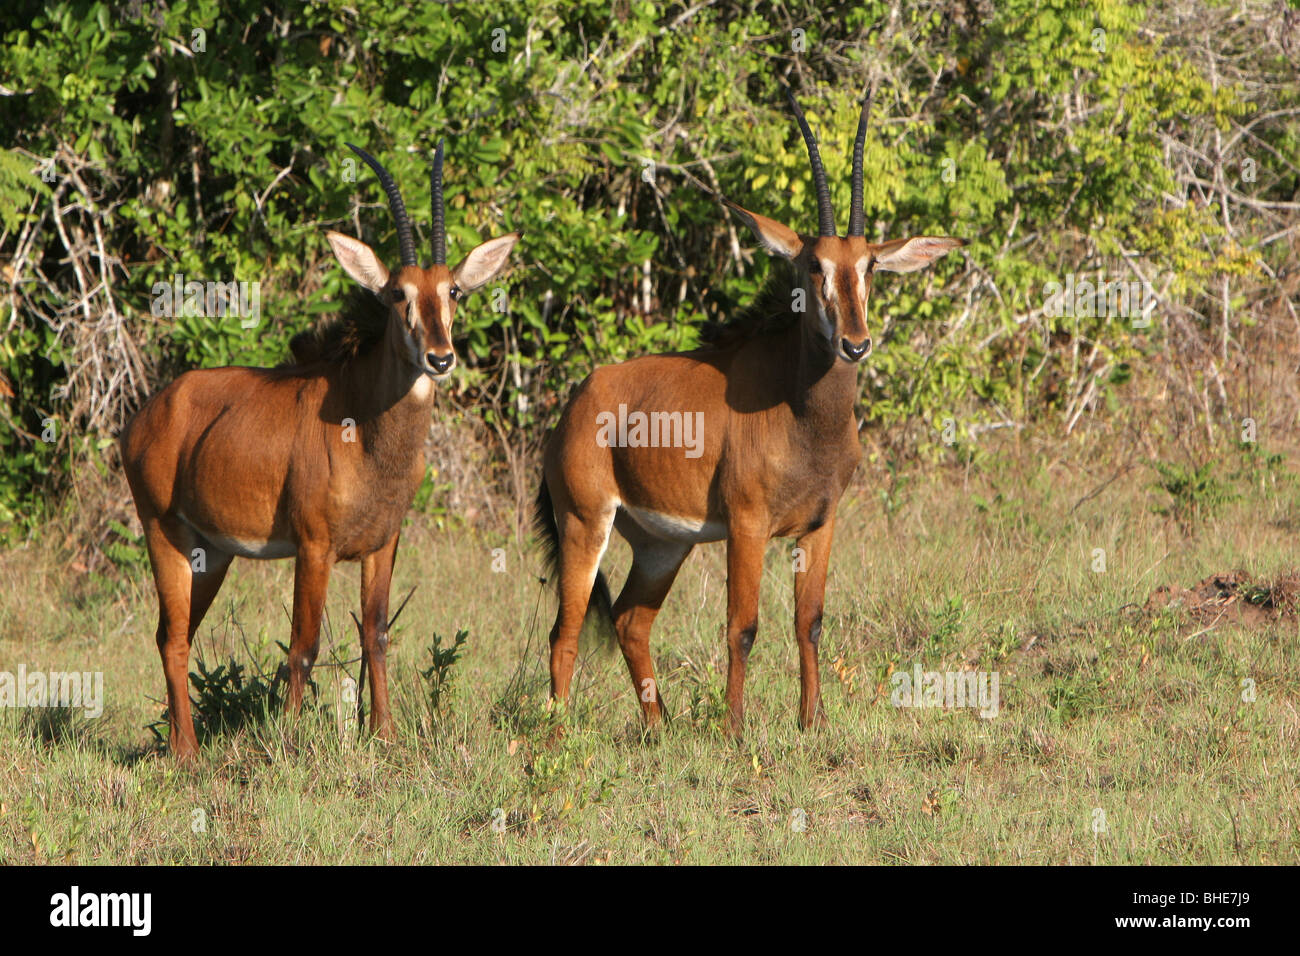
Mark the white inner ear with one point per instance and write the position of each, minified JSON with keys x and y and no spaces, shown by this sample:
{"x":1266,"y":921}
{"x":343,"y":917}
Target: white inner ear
{"x":775,"y":238}
{"x":777,"y":245}
{"x":483,"y":262}
{"x":915,"y":254}
{"x":359,"y":261}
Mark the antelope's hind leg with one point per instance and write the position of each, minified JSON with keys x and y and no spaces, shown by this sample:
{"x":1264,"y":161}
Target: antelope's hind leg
{"x":655,"y":563}
{"x":188,"y":573}
{"x":583,"y":539}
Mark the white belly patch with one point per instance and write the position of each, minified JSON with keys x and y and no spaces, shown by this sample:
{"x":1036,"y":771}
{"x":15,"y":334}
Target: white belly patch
{"x":675,"y":528}
{"x":245,"y":547}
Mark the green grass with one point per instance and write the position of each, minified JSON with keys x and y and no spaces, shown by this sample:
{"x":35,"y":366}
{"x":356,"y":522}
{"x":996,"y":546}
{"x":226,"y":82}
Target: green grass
{"x":1123,"y":736}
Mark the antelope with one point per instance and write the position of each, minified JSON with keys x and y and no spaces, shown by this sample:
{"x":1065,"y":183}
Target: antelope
{"x":317,"y":459}
{"x":772,"y":392}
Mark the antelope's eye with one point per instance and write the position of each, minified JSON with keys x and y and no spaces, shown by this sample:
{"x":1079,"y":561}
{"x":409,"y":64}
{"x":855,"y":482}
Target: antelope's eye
{"x":815,"y":267}
{"x":398,"y":296}
{"x":455,"y":293}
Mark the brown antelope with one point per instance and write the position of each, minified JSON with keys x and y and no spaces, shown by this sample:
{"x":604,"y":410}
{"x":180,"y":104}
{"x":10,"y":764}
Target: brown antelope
{"x":317,"y":459}
{"x":773,"y":446}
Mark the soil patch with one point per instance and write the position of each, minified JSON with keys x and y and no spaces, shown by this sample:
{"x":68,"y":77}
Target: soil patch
{"x":1233,"y":597}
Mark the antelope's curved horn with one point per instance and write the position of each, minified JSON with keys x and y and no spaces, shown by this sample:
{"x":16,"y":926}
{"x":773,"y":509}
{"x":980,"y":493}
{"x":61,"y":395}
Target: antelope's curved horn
{"x":825,"y":215}
{"x":436,"y":211}
{"x":857,"y":216}
{"x":405,"y":237}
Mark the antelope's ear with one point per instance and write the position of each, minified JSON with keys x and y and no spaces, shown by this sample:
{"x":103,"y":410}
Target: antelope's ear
{"x":908,"y":255}
{"x":359,"y":261}
{"x":483,"y":262}
{"x":778,"y":239}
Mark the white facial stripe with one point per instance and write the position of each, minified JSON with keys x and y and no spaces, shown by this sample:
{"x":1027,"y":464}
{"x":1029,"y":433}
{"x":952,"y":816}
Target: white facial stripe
{"x":828,"y":290}
{"x":412,"y":321}
{"x":443,"y":291}
{"x":412,"y":304}
{"x":862,"y":277}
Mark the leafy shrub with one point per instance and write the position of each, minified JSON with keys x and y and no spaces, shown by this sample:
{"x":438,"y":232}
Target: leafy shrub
{"x":438,"y":675}
{"x":206,"y":138}
{"x":225,"y":699}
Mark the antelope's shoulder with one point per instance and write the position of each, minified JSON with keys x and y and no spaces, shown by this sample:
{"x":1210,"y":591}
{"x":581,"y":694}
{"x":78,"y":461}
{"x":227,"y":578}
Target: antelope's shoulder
{"x":668,"y":374}
{"x":183,"y":398}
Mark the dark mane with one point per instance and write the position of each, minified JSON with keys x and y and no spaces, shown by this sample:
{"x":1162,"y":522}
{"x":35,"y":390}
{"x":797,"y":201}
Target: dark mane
{"x":769,"y":313}
{"x":353,"y":332}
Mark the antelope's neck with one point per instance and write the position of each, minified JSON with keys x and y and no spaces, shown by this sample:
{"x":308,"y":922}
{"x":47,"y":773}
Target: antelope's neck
{"x":824,"y":387}
{"x":392,"y":403}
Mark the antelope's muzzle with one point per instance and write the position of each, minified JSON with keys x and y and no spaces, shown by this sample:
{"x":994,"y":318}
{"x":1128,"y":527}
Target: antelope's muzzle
{"x":439,"y":365}
{"x":855,"y":351}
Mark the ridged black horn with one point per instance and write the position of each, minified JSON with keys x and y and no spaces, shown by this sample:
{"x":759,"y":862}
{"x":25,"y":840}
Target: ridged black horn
{"x":435,"y":204}
{"x":825,"y":215}
{"x":857,"y":216}
{"x":405,"y":237}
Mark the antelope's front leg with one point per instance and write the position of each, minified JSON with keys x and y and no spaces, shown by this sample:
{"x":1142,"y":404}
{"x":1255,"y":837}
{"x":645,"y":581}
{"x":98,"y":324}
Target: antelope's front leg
{"x":311,"y":578}
{"x":744,"y":575}
{"x":809,"y":592}
{"x":376,"y":579}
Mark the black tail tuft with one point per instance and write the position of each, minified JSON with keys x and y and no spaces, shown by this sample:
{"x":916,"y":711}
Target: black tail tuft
{"x":601,"y":605}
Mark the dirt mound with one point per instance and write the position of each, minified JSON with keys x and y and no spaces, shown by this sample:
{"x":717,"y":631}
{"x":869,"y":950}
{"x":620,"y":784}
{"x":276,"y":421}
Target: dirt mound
{"x":1233,"y":597}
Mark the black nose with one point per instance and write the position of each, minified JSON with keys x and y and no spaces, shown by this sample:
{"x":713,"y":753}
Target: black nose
{"x":440,"y":363}
{"x":855,"y":350}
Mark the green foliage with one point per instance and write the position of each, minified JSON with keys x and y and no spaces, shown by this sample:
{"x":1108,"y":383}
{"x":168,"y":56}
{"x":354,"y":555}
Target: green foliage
{"x":946,"y":625}
{"x":431,"y":496}
{"x":708,"y":700}
{"x":225,"y":700}
{"x":19,"y":188}
{"x":1259,"y":468}
{"x":206,"y":139}
{"x":438,"y":675}
{"x":125,"y":549}
{"x":52,"y":846}
{"x":1194,"y":491}
{"x":1075,"y":695}
{"x":28,"y":463}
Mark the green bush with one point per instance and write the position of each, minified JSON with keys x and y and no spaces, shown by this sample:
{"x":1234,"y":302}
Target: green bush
{"x":143,"y":140}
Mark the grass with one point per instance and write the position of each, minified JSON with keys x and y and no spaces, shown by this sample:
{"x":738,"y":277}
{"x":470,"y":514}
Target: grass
{"x":1122,"y":736}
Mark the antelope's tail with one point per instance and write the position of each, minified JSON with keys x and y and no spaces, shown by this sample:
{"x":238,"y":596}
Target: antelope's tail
{"x":600,"y":606}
